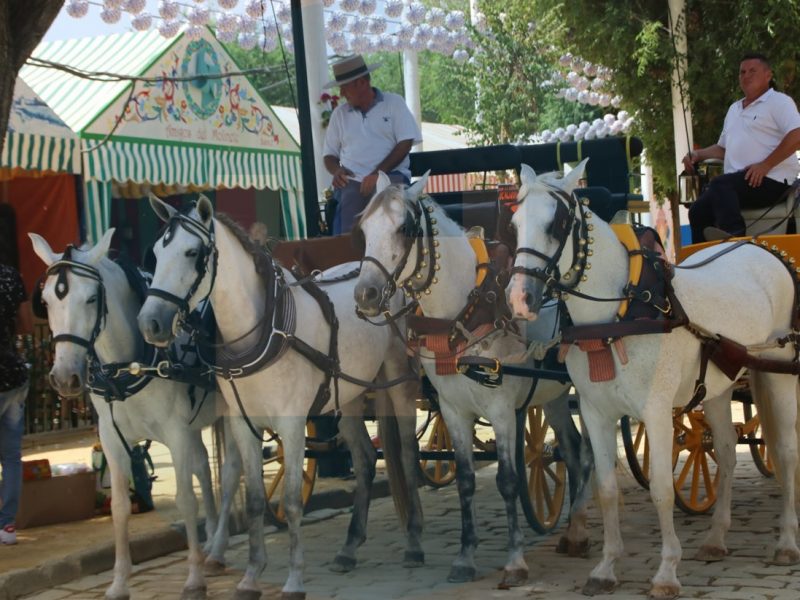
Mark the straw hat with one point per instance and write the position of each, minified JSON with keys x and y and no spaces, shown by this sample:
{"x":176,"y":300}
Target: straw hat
{"x":348,"y":69}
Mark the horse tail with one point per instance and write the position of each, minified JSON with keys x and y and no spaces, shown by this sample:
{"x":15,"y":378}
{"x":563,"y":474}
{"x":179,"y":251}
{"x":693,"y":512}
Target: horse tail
{"x":391,"y":443}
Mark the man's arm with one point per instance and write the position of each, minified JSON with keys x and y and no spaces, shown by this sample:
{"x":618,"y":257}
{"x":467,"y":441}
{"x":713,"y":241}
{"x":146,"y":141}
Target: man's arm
{"x":394,"y":158}
{"x":340,"y":174}
{"x":789,"y":144}
{"x":713,"y":151}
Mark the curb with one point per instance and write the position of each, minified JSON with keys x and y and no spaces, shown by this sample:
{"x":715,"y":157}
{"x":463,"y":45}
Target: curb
{"x":144,"y":547}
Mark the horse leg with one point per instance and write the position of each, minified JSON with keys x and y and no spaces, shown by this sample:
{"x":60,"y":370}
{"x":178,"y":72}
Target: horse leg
{"x":180,"y":448}
{"x":403,"y":407}
{"x":293,"y":435}
{"x":776,"y":399}
{"x":603,"y":433}
{"x":515,"y":572}
{"x":364,"y":457}
{"x":202,"y":471}
{"x":665,"y":583}
{"x":255,"y":504}
{"x":460,"y":427}
{"x":119,"y":466}
{"x":231,"y":473}
{"x":717,"y":413}
{"x":580,"y":464}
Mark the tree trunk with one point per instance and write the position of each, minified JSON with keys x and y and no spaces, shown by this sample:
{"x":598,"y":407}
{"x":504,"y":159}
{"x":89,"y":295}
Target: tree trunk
{"x":23,"y":24}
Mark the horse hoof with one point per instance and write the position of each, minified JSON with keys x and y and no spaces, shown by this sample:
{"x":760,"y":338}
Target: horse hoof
{"x":563,"y":545}
{"x":414,"y":559}
{"x":664,"y":591}
{"x":598,"y":586}
{"x":213,"y":568}
{"x":343,"y":564}
{"x":578,"y":549}
{"x":786,"y":557}
{"x":120,"y":596}
{"x":711,"y":553}
{"x":459,"y":574}
{"x":247,"y":595}
{"x":513,"y":578}
{"x":194,"y":593}
{"x":293,"y":596}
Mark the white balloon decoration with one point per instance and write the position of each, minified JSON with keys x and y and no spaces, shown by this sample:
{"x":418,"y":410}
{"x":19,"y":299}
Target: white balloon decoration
{"x":227,"y":4}
{"x":571,"y":94}
{"x":142,"y":22}
{"x":194,"y":32}
{"x":623,"y":115}
{"x":616,"y":101}
{"x":597,"y":84}
{"x":583,"y":97}
{"x":134,"y":7}
{"x":168,"y":9}
{"x":359,"y":26}
{"x":110,"y":15}
{"x":367,"y":7}
{"x":424,"y":32}
{"x":608,"y":118}
{"x":246,"y":25}
{"x":455,"y":20}
{"x":415,"y":13}
{"x":198,"y":16}
{"x":565,"y":60}
{"x":377,"y":26}
{"x":254,"y":8}
{"x":435,"y":17}
{"x":393,"y":8}
{"x":77,"y":8}
{"x":169,"y":29}
{"x":228,"y":23}
{"x":405,"y":33}
{"x":337,"y":22}
{"x":226,"y":37}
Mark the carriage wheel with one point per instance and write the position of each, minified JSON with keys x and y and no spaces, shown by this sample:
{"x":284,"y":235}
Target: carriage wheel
{"x":273,"y":466}
{"x":695,"y":470}
{"x":436,"y":472}
{"x":637,"y":449}
{"x":759,"y":451}
{"x":543,"y":476}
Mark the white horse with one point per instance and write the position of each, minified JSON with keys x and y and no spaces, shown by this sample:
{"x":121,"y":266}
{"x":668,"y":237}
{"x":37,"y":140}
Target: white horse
{"x":202,"y":255}
{"x":746,"y":294}
{"x":91,"y":309}
{"x":411,"y":244}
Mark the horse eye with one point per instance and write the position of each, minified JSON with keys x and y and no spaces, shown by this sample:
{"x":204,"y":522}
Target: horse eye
{"x":192,"y":253}
{"x":92,"y":300}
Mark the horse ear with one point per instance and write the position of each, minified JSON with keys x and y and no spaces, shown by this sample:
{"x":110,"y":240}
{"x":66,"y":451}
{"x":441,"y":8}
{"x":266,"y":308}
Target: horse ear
{"x":416,"y":189}
{"x":100,"y":249}
{"x":43,"y":249}
{"x":571,"y":179}
{"x":163,"y":210}
{"x":527,"y":175}
{"x":382,"y":183}
{"x":204,"y":208}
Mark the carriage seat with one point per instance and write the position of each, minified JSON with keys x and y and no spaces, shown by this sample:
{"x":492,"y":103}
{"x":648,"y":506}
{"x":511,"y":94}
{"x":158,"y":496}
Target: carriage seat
{"x":757,"y":224}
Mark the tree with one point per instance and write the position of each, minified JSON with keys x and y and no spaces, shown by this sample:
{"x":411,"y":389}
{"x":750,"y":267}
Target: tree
{"x":634,"y":38}
{"x":23,"y":24}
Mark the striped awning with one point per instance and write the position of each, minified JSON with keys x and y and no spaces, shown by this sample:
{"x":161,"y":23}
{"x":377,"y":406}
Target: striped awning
{"x":32,"y":152}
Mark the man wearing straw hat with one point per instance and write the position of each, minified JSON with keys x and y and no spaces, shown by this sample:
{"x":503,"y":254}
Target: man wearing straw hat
{"x":372,"y":132}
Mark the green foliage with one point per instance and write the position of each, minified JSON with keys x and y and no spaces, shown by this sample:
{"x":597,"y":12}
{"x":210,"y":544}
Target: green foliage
{"x":273,"y":84}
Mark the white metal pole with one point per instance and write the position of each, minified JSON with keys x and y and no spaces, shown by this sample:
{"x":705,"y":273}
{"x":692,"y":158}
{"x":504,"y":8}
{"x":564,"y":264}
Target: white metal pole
{"x":681,"y":111}
{"x":411,"y":85}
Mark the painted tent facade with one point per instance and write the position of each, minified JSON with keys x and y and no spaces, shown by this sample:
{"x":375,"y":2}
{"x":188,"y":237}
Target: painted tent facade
{"x":185,"y":123}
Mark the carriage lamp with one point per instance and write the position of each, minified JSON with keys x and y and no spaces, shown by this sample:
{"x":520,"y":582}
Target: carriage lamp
{"x":689,"y":183}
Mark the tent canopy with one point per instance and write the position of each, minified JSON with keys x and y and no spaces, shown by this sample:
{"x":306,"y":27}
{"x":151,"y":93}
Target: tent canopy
{"x":186,"y":122}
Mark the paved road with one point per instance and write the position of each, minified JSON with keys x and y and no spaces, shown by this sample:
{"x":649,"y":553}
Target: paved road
{"x":742,"y":575}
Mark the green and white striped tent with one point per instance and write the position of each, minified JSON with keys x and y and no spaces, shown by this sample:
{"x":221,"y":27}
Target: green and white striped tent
{"x":193,"y":127}
{"x":36,"y":139}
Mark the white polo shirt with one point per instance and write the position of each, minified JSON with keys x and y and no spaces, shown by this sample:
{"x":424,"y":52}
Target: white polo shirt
{"x":751,"y":134}
{"x":362,"y":140}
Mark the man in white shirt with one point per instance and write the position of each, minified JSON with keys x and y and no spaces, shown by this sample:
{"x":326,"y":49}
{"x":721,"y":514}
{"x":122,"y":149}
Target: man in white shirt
{"x":372,"y":132}
{"x":758,"y":143}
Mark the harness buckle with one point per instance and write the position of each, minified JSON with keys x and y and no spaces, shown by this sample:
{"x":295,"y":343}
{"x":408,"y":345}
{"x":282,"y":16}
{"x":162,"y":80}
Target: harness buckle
{"x":162,"y":369}
{"x":667,"y":309}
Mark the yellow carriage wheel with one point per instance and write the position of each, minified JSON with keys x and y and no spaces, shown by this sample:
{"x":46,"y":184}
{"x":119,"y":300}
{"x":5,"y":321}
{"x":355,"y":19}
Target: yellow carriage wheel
{"x":695,"y":469}
{"x":274,"y":472}
{"x":542,"y":473}
{"x":436,"y":472}
{"x":637,"y":449}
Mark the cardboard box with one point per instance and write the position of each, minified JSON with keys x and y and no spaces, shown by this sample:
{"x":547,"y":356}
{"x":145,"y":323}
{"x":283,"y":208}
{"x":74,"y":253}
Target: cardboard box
{"x":56,"y":500}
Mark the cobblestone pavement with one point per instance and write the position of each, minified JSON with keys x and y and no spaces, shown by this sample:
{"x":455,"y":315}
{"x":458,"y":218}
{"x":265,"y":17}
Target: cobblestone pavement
{"x":742,"y":575}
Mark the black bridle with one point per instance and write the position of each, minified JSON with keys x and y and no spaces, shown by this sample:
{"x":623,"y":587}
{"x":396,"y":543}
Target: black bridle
{"x":419,"y":232}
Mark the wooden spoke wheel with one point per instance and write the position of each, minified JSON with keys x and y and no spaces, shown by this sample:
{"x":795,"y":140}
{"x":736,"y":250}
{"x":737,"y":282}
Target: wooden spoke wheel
{"x":637,"y":449}
{"x":542,"y":474}
{"x":695,"y":470}
{"x":274,"y":472}
{"x":436,"y":472}
{"x":759,"y":450}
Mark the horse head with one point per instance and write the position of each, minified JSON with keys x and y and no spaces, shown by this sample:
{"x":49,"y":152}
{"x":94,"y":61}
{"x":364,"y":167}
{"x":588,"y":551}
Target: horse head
{"x":73,"y":295}
{"x":388,"y":229}
{"x":185,"y":267}
{"x":543,"y":223}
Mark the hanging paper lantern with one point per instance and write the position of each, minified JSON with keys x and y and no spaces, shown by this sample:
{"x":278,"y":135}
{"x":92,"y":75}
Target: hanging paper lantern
{"x":435,"y":17}
{"x":226,"y":37}
{"x":583,"y":97}
{"x":367,"y":7}
{"x":284,"y":13}
{"x":439,"y":35}
{"x":455,"y":20}
{"x":623,"y":114}
{"x":377,"y":25}
{"x":142,"y":22}
{"x":424,"y":33}
{"x":77,"y":8}
{"x":169,"y":29}
{"x":194,"y":32}
{"x":605,"y":100}
{"x":393,"y":8}
{"x":349,"y":5}
{"x":254,"y":8}
{"x":168,"y":10}
{"x":337,"y":22}
{"x":616,"y":101}
{"x":590,"y":69}
{"x":571,"y":94}
{"x":198,"y":16}
{"x":228,"y":23}
{"x":338,"y":42}
{"x":565,"y":60}
{"x":110,"y":15}
{"x":245,"y":24}
{"x":405,"y":32}
{"x":359,"y":44}
{"x":416,"y":13}
{"x":582,"y":83}
{"x":359,"y":26}
{"x":134,"y":7}
{"x":112,"y":3}
{"x":597,"y":84}
{"x":227,"y":4}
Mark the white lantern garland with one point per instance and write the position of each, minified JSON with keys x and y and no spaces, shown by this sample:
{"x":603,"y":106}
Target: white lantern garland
{"x":367,"y":7}
{"x":77,"y":8}
{"x":337,"y":22}
{"x":393,"y":8}
{"x":254,"y":8}
{"x":168,"y":10}
{"x":142,"y":22}
{"x":169,"y":29}
{"x":415,"y":14}
{"x":349,"y":5}
{"x":198,"y":16}
{"x":194,"y":32}
{"x":134,"y":7}
{"x":227,"y":4}
{"x":111,"y":15}
{"x":284,"y":13}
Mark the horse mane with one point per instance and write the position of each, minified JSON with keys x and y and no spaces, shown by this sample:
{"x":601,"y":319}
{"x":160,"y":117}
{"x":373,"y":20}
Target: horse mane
{"x":378,"y":201}
{"x":262,"y":259}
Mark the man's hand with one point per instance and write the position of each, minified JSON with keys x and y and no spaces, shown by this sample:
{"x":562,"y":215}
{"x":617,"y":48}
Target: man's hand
{"x":341,"y":177}
{"x":368,"y":184}
{"x":688,"y":162}
{"x":755,"y":174}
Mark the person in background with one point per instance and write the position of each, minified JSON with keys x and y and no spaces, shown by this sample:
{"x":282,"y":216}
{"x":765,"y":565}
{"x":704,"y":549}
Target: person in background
{"x":13,"y":378}
{"x":758,"y":143}
{"x":373,"y":131}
